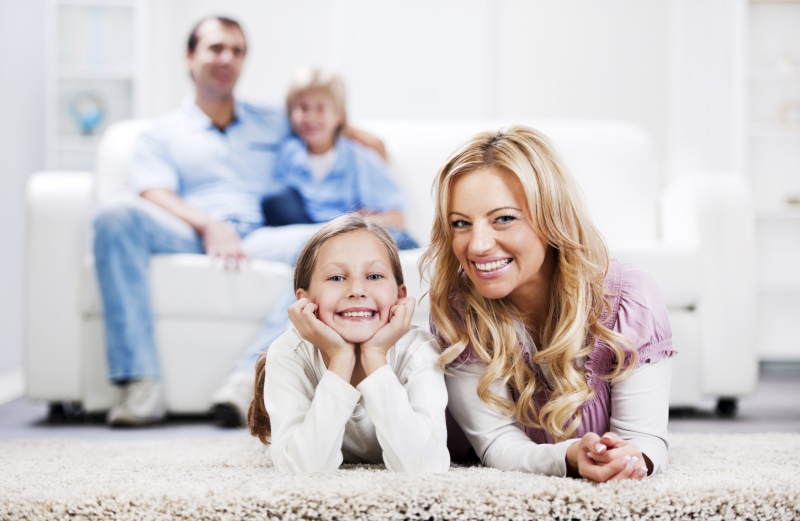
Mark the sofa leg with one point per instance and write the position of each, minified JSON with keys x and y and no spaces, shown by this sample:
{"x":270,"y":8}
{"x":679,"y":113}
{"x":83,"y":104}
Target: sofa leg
{"x":64,"y":412}
{"x":682,"y":412}
{"x":727,"y":407}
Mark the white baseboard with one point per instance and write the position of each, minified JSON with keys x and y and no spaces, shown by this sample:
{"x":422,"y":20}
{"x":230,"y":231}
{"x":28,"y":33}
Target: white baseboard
{"x":12,"y":385}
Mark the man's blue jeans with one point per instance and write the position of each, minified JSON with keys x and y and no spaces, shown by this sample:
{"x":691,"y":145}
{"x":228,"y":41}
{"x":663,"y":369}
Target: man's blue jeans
{"x":127,"y":233}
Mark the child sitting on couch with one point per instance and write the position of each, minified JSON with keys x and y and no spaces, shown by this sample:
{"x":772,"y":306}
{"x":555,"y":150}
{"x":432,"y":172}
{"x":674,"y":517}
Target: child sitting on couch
{"x":321,"y":174}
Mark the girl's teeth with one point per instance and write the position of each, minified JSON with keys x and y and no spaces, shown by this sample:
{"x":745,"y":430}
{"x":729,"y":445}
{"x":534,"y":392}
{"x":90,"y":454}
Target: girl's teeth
{"x":357,"y":314}
{"x":490,"y":266}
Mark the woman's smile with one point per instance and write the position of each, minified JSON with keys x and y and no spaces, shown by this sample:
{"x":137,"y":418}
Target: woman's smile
{"x":493,"y":235}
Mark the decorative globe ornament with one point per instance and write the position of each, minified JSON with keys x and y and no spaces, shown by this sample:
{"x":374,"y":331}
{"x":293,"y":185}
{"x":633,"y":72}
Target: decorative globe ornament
{"x":87,"y":110}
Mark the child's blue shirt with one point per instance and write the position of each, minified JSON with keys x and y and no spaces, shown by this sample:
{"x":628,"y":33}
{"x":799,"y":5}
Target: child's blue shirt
{"x":358,"y":180}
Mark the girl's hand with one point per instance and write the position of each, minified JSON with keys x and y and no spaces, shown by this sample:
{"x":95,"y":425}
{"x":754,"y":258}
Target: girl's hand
{"x":339,"y":355}
{"x":609,"y":458}
{"x":373,"y":351}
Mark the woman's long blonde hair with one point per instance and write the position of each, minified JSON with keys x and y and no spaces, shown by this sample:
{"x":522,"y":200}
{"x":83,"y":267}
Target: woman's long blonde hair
{"x":577,"y":299}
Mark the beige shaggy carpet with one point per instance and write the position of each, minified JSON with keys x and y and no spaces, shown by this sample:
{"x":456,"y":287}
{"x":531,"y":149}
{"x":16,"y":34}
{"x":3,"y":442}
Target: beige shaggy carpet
{"x":753,"y":476}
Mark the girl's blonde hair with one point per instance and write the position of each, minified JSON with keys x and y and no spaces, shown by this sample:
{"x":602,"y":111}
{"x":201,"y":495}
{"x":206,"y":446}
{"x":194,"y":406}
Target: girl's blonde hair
{"x":307,"y":79}
{"x":577,"y":299}
{"x":257,"y":416}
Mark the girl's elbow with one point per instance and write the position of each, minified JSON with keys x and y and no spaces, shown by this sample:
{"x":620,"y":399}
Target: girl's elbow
{"x":428,"y":463}
{"x":289,"y":465}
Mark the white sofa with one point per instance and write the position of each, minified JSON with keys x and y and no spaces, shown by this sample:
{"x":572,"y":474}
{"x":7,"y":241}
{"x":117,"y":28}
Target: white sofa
{"x":695,"y":234}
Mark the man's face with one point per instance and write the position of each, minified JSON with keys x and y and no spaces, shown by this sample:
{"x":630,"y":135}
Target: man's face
{"x":217,"y":60}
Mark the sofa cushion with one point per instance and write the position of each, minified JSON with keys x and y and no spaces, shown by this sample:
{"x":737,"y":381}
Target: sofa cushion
{"x":187,"y":285}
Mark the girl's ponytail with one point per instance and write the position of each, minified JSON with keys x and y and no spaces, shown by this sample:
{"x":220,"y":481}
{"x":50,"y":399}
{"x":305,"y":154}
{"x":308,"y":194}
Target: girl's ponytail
{"x":257,"y":417}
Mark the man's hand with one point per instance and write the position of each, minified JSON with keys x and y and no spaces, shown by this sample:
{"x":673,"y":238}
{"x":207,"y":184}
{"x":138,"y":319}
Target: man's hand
{"x":373,"y":351}
{"x":221,"y":242}
{"x":339,"y":355}
{"x":609,"y":458}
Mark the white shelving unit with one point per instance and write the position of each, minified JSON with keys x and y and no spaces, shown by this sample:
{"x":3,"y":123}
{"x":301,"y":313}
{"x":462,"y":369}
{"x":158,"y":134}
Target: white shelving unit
{"x":772,"y":145}
{"x":95,"y":59}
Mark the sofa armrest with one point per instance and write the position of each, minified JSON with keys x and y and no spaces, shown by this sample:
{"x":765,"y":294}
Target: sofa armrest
{"x":416,"y":287}
{"x":715,"y":212}
{"x":58,"y":211}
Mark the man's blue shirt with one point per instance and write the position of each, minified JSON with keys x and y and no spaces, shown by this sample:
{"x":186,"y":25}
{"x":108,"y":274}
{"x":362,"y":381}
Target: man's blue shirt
{"x":358,"y":180}
{"x":223,"y":174}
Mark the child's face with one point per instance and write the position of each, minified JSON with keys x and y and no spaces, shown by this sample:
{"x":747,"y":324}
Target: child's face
{"x":353,"y":285}
{"x":315,"y":119}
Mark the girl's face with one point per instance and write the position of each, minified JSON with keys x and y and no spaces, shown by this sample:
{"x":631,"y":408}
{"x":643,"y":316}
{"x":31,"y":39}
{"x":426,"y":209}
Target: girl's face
{"x":493,"y":236}
{"x":315,"y":119}
{"x":353,"y":285}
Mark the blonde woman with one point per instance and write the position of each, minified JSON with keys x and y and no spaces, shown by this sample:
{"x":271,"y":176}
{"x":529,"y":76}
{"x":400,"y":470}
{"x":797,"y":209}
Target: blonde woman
{"x":558,"y":359}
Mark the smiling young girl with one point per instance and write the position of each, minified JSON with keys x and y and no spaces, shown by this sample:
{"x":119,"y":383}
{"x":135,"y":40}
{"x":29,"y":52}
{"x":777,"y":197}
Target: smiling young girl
{"x":352,"y":381}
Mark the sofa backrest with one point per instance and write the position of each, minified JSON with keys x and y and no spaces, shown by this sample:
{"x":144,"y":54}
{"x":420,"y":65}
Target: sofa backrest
{"x":615,"y":164}
{"x":113,"y":159}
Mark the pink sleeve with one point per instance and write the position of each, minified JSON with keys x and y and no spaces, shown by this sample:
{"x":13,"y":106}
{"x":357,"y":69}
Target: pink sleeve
{"x":642,"y":315}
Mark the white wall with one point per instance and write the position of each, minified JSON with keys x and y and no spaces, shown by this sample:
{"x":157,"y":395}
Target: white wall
{"x":586,"y":59}
{"x":706,"y":86}
{"x":21,"y":152}
{"x":461,"y":59}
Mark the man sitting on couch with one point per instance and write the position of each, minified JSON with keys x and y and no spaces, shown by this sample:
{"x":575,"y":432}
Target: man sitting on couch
{"x":201,"y":172}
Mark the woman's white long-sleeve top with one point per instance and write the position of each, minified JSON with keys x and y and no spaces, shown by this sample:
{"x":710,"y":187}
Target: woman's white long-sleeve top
{"x":395,"y":416}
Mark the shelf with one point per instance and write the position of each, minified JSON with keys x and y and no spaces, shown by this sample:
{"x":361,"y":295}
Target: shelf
{"x":779,"y":214}
{"x":774,"y":130}
{"x":94,"y":50}
{"x":779,"y":287}
{"x":771,"y":95}
{"x":78,"y":143}
{"x":95,"y":3}
{"x":95,"y":73}
{"x":772,"y":74}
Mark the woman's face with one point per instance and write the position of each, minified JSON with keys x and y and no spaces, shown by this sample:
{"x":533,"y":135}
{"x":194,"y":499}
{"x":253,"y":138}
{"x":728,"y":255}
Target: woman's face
{"x":493,"y":236}
{"x":353,"y":285}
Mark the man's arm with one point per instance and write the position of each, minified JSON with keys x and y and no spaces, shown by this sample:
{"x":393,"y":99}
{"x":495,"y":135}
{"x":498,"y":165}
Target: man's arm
{"x":365,"y":138}
{"x":219,"y":240}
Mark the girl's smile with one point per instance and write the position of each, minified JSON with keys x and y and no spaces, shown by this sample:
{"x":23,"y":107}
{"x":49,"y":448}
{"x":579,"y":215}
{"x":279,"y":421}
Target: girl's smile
{"x":353,"y":285}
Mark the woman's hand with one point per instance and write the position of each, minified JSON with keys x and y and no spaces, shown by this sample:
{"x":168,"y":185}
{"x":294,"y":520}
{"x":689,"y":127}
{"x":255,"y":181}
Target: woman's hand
{"x":609,"y":458}
{"x":339,"y":355}
{"x":373,"y":351}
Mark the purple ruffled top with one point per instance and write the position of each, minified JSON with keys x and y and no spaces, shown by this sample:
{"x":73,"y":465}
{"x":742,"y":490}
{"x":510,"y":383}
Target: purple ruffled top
{"x":638,"y":312}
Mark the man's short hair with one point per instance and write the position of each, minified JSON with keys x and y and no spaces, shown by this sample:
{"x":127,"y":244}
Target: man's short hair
{"x":191,"y":45}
